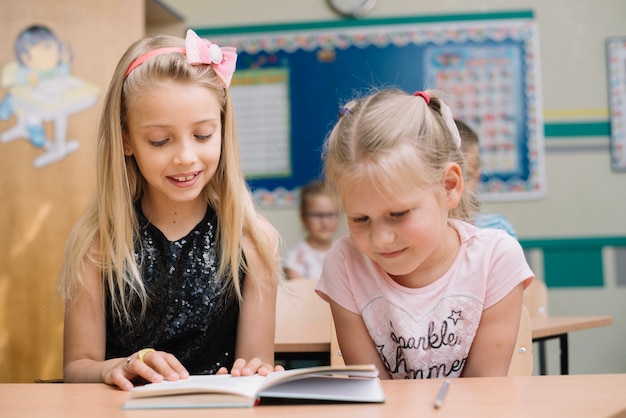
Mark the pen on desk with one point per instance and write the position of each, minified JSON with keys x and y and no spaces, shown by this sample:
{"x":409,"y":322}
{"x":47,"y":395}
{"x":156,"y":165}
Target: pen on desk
{"x":441,"y":394}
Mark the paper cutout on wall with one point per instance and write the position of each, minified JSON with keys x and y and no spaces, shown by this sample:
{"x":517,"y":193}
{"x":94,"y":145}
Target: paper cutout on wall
{"x":616,"y":55}
{"x":39,"y":88}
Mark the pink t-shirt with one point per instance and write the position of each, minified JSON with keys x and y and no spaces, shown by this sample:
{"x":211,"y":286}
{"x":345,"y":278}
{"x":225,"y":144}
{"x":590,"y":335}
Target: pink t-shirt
{"x":426,"y":332}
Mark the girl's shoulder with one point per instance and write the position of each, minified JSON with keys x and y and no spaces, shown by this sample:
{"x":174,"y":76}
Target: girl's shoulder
{"x":269,"y":235}
{"x":267,"y":228}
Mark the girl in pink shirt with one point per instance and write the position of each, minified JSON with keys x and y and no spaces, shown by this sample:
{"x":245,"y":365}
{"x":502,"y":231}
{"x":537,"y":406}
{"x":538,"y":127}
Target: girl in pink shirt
{"x":415,"y":288}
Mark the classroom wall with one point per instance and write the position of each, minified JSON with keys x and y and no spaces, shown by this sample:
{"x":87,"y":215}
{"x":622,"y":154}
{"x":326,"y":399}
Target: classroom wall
{"x":585,"y":199}
{"x":39,"y":204}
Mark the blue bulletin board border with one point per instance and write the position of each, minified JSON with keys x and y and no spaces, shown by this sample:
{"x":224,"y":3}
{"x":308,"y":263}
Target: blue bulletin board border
{"x":330,"y":63}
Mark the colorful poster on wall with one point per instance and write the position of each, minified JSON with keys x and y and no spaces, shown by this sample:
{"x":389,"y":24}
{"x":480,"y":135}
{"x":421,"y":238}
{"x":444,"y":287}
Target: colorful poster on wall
{"x":616,"y":57}
{"x":261,"y":100}
{"x":40,"y":88}
{"x":487,"y":65}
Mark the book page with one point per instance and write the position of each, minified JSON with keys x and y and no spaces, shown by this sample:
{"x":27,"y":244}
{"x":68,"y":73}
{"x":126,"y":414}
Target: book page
{"x":245,"y":386}
{"x":366,"y":371}
{"x":328,"y":388}
{"x":249,"y":386}
{"x":188,"y":401}
{"x":331,"y":383}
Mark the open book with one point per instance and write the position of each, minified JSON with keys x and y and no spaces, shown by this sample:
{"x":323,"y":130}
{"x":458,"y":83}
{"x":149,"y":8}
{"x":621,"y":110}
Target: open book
{"x":358,"y":383}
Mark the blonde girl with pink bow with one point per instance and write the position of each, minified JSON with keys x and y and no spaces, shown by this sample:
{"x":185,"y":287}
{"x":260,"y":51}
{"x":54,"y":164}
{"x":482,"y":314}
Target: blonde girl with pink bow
{"x":170,"y":271}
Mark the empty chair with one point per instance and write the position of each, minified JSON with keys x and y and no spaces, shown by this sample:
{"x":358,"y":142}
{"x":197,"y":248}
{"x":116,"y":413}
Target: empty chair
{"x":522,"y":360}
{"x":536,"y":299}
{"x":335,"y":352}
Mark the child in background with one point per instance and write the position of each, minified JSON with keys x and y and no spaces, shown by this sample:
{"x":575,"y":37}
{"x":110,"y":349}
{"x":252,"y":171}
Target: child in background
{"x":415,"y":288}
{"x":471,"y":149}
{"x":319,"y":215}
{"x":170,"y":271}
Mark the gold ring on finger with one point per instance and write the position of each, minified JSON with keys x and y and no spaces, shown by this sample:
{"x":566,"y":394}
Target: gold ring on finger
{"x":144,"y":352}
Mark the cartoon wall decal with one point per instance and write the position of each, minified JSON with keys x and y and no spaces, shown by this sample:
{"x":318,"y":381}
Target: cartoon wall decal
{"x":40,"y":88}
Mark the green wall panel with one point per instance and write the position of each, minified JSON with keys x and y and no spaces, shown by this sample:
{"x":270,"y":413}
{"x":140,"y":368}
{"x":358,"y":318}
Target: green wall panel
{"x":573,"y":262}
{"x":573,"y":267}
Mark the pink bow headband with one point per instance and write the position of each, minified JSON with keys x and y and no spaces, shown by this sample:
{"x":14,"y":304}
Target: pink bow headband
{"x":199,"y":52}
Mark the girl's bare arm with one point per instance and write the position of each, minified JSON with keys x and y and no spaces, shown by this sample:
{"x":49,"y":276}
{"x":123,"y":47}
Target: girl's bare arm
{"x":494,"y":343}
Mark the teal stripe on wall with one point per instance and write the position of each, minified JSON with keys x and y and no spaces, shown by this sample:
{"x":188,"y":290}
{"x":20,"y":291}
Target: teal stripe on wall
{"x":584,"y":129}
{"x":573,"y":262}
{"x":615,"y":241}
{"x":573,"y":267}
{"x":280,"y":27}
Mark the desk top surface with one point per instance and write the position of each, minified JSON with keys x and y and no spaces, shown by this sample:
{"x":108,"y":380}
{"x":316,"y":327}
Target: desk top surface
{"x":555,"y":325}
{"x":540,"y":396}
{"x":316,"y":337}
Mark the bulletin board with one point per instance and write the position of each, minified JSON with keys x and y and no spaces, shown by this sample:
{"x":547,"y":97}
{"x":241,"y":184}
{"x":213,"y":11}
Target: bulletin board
{"x":291,"y":80}
{"x":616,"y":57}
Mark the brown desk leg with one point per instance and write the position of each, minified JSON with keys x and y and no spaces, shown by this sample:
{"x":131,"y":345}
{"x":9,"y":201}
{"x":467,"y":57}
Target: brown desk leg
{"x":564,"y":354}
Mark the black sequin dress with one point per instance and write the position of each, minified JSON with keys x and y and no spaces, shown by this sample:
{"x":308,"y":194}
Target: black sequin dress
{"x":189,"y":313}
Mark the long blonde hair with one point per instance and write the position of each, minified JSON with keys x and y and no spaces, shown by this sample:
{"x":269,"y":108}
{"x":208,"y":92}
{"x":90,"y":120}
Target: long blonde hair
{"x":396,"y":139}
{"x":106,"y":233}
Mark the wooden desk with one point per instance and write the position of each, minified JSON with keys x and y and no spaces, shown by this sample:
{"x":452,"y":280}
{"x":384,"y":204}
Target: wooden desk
{"x":283,"y":346}
{"x":544,"y":329}
{"x":540,"y":396}
{"x":308,"y":340}
{"x":303,"y":322}
{"x":313,"y":342}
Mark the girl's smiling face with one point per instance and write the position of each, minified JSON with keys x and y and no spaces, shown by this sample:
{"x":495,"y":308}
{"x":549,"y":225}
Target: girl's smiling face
{"x":174,"y":133}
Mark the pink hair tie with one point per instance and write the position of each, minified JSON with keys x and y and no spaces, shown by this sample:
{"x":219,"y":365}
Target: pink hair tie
{"x":424,"y":95}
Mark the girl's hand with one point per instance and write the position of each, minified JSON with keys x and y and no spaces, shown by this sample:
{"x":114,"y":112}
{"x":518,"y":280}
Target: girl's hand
{"x":241,"y":367}
{"x":152,"y":366}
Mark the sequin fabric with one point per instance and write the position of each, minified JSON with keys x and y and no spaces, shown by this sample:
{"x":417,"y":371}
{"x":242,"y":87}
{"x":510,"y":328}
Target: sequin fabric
{"x":190,"y":314}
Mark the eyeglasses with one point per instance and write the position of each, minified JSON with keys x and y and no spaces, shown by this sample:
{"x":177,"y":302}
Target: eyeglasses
{"x":320,"y":216}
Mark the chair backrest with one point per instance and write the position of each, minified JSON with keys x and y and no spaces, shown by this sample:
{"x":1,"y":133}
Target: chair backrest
{"x":299,"y":307}
{"x":536,"y":299}
{"x":522,"y":360}
{"x":336,"y":359}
